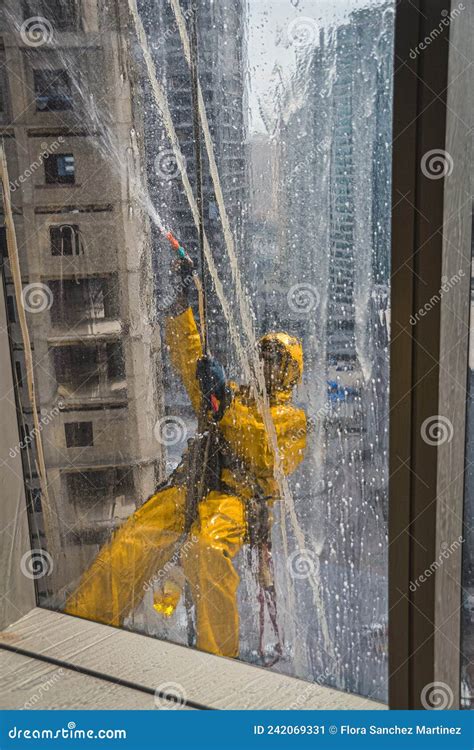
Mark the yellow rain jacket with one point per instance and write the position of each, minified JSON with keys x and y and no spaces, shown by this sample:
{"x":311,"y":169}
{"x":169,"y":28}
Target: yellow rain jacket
{"x":140,"y":552}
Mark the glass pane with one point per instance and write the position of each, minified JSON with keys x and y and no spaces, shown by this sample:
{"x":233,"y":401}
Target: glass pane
{"x":235,"y":502}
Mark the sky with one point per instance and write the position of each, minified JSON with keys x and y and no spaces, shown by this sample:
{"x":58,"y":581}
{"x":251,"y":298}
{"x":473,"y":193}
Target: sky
{"x":278,"y":30}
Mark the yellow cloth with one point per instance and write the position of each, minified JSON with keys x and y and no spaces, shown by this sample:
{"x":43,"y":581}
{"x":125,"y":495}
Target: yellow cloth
{"x":132,"y":561}
{"x":242,"y":425}
{"x":116,"y":581}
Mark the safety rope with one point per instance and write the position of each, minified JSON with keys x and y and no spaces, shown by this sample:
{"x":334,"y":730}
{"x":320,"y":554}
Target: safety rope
{"x":49,"y":512}
{"x":258,"y":381}
{"x":265,"y":576}
{"x":199,"y":195}
{"x":242,"y":351}
{"x":162,"y":104}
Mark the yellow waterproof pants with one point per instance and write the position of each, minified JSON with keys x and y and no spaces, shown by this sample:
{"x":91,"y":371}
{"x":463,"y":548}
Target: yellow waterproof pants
{"x":117,"y":580}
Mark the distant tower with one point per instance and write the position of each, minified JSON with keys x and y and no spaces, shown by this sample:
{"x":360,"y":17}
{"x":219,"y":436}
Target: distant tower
{"x":221,"y":32}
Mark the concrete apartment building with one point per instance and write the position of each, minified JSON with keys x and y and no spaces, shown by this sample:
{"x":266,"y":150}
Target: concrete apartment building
{"x":86,"y":268}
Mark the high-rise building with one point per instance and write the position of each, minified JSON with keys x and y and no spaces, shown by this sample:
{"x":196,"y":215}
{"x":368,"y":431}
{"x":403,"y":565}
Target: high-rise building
{"x":68,"y":121}
{"x":333,"y":265}
{"x":221,"y":57}
{"x":329,"y":148}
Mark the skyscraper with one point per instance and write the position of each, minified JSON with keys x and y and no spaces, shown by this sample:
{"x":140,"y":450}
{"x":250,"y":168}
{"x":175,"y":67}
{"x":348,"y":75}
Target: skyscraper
{"x":221,"y":53}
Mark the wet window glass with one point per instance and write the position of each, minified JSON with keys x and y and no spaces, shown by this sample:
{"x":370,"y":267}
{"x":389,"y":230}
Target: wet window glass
{"x":201,"y":201}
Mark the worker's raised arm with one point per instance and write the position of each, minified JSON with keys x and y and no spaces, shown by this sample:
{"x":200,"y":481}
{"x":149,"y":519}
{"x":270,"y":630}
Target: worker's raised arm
{"x":182,"y":335}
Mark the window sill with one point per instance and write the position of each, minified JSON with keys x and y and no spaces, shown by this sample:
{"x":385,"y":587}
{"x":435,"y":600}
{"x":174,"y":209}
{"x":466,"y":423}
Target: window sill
{"x":53,"y":185}
{"x":142,"y":664}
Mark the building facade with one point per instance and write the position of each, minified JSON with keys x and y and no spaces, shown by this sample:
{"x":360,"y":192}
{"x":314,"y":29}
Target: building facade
{"x":68,"y":120}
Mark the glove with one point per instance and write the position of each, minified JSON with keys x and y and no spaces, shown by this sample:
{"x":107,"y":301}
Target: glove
{"x":212,"y":381}
{"x":182,"y":283}
{"x":166,"y":600}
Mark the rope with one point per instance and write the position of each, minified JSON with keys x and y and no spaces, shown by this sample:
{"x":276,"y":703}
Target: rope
{"x":258,"y":389}
{"x":49,"y":513}
{"x":163,"y":107}
{"x":199,"y":196}
{"x":258,"y":381}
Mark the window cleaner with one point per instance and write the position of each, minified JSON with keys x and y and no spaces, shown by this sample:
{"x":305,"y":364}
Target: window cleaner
{"x":218,"y":499}
{"x":220,"y":496}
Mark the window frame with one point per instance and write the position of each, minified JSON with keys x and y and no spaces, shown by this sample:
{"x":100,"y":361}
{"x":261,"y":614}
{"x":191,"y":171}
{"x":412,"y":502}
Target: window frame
{"x":422,"y":625}
{"x":60,"y":102}
{"x":432,"y":105}
{"x":73,"y":231}
{"x":69,"y":178}
{"x":79,"y":434}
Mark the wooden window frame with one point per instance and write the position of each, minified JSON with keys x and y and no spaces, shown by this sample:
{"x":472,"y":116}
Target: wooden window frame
{"x":427,"y":378}
{"x":431,"y":232}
